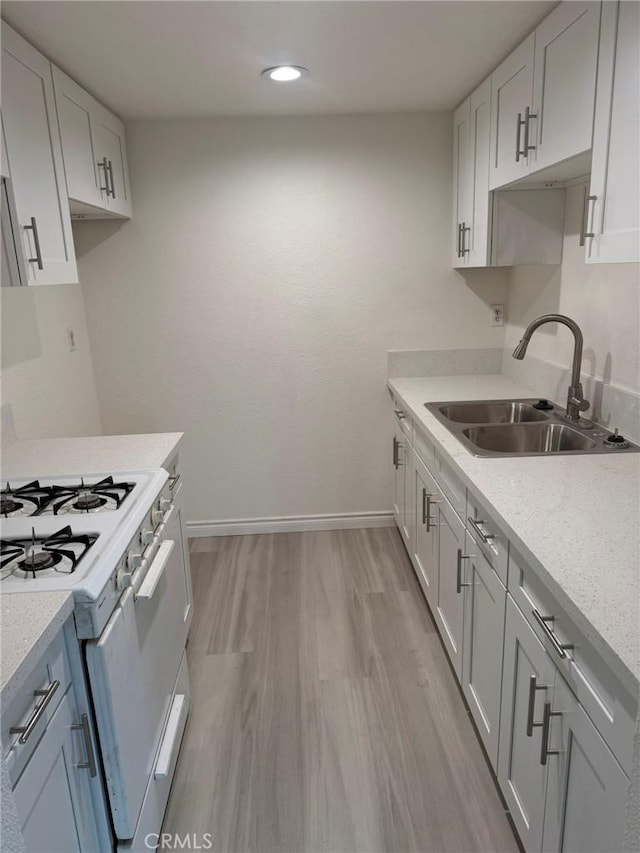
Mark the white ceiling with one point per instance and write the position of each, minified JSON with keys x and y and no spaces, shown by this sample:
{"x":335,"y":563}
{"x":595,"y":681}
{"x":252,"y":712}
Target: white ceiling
{"x":193,"y":59}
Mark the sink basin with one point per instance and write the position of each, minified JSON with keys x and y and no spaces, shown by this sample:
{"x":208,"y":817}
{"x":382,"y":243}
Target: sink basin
{"x":529,"y":438}
{"x":517,"y":428}
{"x":500,"y":412}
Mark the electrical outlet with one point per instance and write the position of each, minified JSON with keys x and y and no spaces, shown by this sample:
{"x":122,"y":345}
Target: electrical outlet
{"x":71,"y":339}
{"x":497,"y":315}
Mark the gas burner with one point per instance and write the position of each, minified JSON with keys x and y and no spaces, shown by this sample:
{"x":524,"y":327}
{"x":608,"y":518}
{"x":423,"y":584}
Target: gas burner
{"x":38,"y":561}
{"x":89,"y":497}
{"x":35,"y":555}
{"x":30,"y":499}
{"x":87,"y":502}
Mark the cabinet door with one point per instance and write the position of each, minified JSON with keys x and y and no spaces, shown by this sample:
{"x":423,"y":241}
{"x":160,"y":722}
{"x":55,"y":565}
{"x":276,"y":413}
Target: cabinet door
{"x":615,"y":171}
{"x":449,"y":611}
{"x":110,"y":144}
{"x":480,"y":130}
{"x":85,"y":181}
{"x":511,"y":94}
{"x":485,"y":601}
{"x":425,"y":548}
{"x":461,"y":182}
{"x":587,"y":788}
{"x":52,"y":795}
{"x":35,"y":160}
{"x":400,"y":482}
{"x":564,"y":83}
{"x":521,"y":776}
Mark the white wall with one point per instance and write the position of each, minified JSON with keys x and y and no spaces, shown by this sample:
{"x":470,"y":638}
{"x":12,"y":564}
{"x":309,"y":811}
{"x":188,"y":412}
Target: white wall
{"x":51,"y":390}
{"x":250,"y":302}
{"x":604,"y":299}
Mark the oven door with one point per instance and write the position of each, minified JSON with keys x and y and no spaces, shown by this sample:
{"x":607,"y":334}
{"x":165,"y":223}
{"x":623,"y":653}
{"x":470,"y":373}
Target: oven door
{"x":133,"y":668}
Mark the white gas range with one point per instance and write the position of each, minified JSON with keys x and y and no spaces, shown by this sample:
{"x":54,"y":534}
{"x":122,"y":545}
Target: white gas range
{"x":116,"y":542}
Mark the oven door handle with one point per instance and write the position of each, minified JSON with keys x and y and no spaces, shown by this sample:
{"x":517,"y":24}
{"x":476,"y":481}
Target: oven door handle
{"x":168,"y":753}
{"x":156,"y":570}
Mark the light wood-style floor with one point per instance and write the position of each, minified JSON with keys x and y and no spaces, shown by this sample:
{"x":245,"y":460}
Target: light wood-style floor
{"x":325,"y":716}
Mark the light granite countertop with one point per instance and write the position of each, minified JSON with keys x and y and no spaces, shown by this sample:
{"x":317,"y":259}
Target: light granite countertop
{"x":29,"y":621}
{"x":95,"y":454}
{"x":574,"y":519}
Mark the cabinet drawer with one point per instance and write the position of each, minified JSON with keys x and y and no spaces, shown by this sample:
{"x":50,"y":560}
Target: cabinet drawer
{"x":54,"y":666}
{"x":601,"y":694}
{"x":424,"y":448}
{"x":452,"y":486}
{"x":488,"y":536}
{"x":402,"y":419}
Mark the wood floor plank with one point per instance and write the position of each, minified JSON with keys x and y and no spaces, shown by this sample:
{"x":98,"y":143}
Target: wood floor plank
{"x":325,"y":716}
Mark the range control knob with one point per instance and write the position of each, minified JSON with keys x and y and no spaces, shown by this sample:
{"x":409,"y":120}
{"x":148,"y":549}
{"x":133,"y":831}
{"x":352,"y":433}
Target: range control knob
{"x":146,"y":536}
{"x":157,"y":516}
{"x":165,"y":503}
{"x":134,"y":561}
{"x":123,"y":578}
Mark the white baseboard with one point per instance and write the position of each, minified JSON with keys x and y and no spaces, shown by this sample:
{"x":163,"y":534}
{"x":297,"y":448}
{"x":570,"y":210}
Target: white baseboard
{"x":289,"y":524}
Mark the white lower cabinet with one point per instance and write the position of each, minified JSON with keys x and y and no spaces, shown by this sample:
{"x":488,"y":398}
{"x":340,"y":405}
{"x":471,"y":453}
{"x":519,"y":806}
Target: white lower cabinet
{"x":425,"y":537}
{"x":527,"y":682}
{"x":556,"y":727}
{"x":586,"y":788}
{"x":449,"y":609}
{"x":483,"y":641}
{"x":53,"y":797}
{"x":402,"y":483}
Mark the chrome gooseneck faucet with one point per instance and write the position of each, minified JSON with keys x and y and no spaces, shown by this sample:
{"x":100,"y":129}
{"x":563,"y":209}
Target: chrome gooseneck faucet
{"x":576,"y":402}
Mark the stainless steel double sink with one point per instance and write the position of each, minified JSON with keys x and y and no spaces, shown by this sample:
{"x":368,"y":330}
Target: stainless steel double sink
{"x":523,"y":428}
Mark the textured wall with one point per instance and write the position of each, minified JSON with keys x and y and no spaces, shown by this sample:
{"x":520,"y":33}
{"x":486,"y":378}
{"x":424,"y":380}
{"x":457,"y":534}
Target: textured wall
{"x":603,"y":298}
{"x":251,"y":301}
{"x":51,"y":390}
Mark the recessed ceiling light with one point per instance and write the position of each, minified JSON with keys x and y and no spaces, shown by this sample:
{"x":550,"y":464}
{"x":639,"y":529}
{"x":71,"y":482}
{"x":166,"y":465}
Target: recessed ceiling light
{"x":285,"y":73}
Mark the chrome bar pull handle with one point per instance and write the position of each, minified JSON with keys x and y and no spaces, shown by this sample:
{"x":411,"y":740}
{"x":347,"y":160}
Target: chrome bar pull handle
{"x":527,"y":118}
{"x":103,"y":164}
{"x":400,"y":415}
{"x":586,"y":210}
{"x":475,"y":523}
{"x":112,"y":191}
{"x":25,"y":732}
{"x":533,"y":686}
{"x":546,"y":729}
{"x":429,"y":522}
{"x":425,"y":517}
{"x":36,"y":242}
{"x":461,"y":557}
{"x":519,"y":122}
{"x":458,"y":245}
{"x":543,"y":621}
{"x":465,"y":228}
{"x":395,"y":452}
{"x":90,"y":763}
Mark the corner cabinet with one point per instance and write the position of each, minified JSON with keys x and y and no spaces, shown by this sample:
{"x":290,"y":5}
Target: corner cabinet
{"x":94,"y":152}
{"x":556,"y":724}
{"x":34,"y":164}
{"x":612,"y":207}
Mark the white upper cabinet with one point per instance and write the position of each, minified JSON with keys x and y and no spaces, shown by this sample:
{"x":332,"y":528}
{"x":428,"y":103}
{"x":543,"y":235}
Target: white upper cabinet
{"x":511,"y":92}
{"x":612,"y":216}
{"x":461,"y":180}
{"x":564,"y":84}
{"x":93,"y":147}
{"x":471,"y":199}
{"x":34,"y":160}
{"x":542,"y":98}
